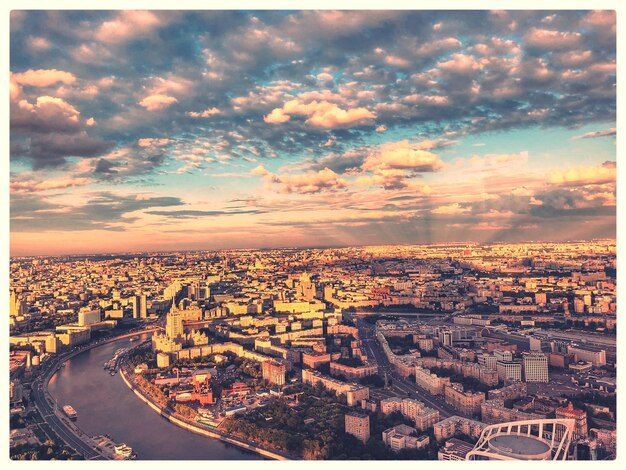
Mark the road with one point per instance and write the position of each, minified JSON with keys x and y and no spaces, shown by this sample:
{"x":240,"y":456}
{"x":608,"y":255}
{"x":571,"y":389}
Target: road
{"x":47,"y":409}
{"x":374,"y":350}
{"x":48,"y":414}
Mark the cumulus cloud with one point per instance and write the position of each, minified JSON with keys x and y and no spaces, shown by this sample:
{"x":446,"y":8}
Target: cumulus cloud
{"x":551,"y":39}
{"x":43,"y":77}
{"x":321,"y":114}
{"x":153,"y":142}
{"x":46,"y":114}
{"x":588,"y":175}
{"x":127,"y":25}
{"x":402,"y":156}
{"x":307,"y":183}
{"x":259,"y":171}
{"x":156,"y":102}
{"x":204,"y":114}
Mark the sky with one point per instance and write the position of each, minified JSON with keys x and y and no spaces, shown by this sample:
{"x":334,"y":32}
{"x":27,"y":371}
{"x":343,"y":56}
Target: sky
{"x":187,"y":130}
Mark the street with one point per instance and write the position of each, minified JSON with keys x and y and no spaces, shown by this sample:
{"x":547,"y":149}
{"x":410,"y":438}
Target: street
{"x":375,"y":352}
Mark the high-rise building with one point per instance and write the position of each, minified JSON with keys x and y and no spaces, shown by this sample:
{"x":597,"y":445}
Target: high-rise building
{"x":535,"y":367}
{"x":273,"y":372}
{"x":358,"y":425}
{"x":143,"y":306}
{"x":88,"y":317}
{"x":174,"y":324}
{"x":509,"y":370}
{"x":502,"y":355}
{"x":136,"y":307}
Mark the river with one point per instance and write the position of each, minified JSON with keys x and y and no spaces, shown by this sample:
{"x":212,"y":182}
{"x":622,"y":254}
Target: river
{"x":105,"y":405}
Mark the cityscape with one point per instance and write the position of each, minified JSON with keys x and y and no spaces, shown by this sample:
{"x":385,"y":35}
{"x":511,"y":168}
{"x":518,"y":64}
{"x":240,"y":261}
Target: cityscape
{"x":313,"y":235}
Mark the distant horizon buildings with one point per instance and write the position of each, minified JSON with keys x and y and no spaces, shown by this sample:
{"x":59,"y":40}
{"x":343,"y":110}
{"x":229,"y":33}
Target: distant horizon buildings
{"x":247,"y":247}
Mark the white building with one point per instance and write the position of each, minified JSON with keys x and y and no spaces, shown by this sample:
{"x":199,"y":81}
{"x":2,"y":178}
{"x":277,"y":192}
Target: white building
{"x":535,"y":367}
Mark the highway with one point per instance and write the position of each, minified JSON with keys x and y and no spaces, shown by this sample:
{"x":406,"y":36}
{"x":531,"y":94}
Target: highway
{"x":47,"y":407}
{"x":48,"y":414}
{"x":375,"y":351}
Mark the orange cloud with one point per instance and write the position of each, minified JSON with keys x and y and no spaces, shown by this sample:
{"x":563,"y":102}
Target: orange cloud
{"x":44,"y":185}
{"x":156,"y":102}
{"x":451,"y":209}
{"x":550,"y":39}
{"x":601,"y":174}
{"x":304,"y":183}
{"x":404,"y":156}
{"x":203,"y":114}
{"x":127,"y":25}
{"x":43,"y":77}
{"x":322,"y":114}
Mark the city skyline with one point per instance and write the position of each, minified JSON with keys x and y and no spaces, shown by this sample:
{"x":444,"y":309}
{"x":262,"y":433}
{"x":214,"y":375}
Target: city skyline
{"x":163,"y":131}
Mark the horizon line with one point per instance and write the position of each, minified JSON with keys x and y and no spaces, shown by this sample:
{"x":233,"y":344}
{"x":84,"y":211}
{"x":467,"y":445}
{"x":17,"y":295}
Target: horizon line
{"x":312,"y":247}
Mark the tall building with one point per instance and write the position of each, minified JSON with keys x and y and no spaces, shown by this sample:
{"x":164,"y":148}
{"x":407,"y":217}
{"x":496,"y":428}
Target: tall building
{"x":509,"y":370}
{"x":143,"y":306}
{"x":174,"y":324}
{"x":502,"y":355}
{"x":535,"y":367}
{"x":136,"y":306}
{"x":358,"y":425}
{"x":88,"y":317}
{"x":273,"y":372}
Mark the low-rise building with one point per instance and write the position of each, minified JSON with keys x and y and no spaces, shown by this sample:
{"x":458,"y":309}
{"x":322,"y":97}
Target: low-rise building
{"x":466,"y":403}
{"x":454,"y":449}
{"x":402,"y":437}
{"x":454,"y":425}
{"x":429,"y":381}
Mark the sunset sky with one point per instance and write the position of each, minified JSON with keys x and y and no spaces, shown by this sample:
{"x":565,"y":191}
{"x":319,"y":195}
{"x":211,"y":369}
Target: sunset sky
{"x":146,"y":131}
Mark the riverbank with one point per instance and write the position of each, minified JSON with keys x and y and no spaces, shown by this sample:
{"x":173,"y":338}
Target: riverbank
{"x":48,"y":408}
{"x":198,"y":430}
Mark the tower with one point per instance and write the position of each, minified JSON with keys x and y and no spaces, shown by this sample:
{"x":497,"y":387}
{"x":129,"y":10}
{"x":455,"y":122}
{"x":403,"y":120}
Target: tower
{"x":174,"y":324}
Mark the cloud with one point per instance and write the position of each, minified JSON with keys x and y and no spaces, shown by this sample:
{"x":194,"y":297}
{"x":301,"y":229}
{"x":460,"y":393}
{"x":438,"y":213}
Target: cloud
{"x":259,"y":171}
{"x":589,"y":175}
{"x":277,"y":116}
{"x":156,"y":102}
{"x":402,"y":156}
{"x":154,"y":142}
{"x":47,"y":114}
{"x":204,"y":114}
{"x":194,"y":214}
{"x":590,"y":135}
{"x":461,"y":64}
{"x":43,"y":77}
{"x":101,"y":211}
{"x":499,"y":159}
{"x":50,"y":150}
{"x":553,"y":40}
{"x":321,"y":114}
{"x":127,"y":25}
{"x":32,"y":185}
{"x":306,"y":183}
{"x":451,"y":209}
